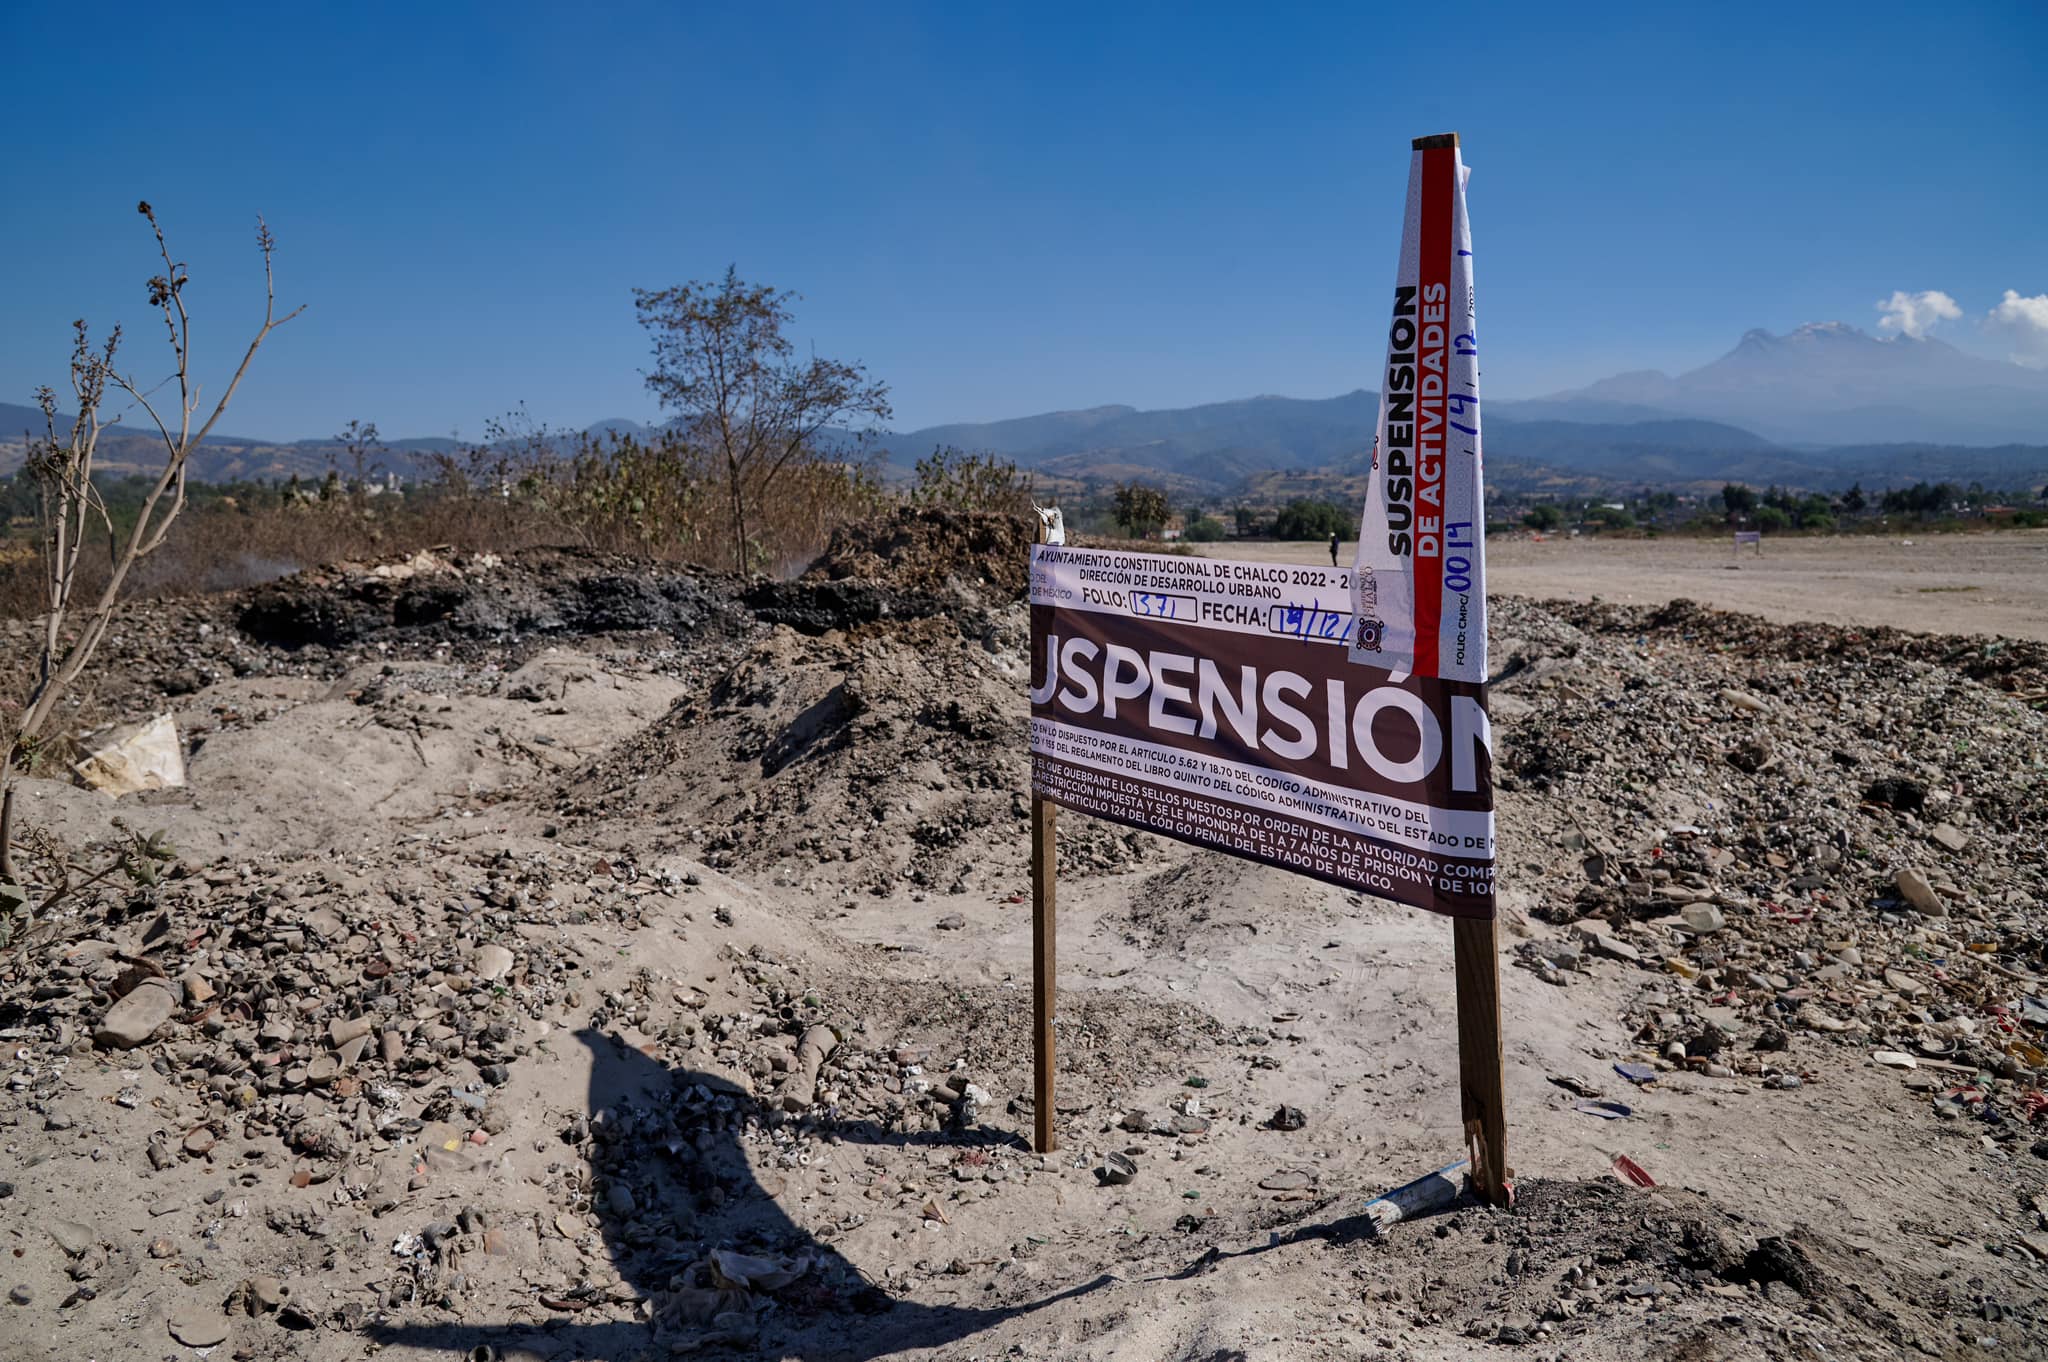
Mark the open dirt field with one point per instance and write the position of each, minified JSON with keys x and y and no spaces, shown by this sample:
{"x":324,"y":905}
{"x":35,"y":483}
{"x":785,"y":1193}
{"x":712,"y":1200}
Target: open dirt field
{"x":1993,"y":583}
{"x":583,"y":959}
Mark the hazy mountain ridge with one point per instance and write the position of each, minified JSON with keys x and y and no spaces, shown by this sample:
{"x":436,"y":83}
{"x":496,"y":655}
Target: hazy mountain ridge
{"x":1829,"y":383}
{"x":1820,"y":407}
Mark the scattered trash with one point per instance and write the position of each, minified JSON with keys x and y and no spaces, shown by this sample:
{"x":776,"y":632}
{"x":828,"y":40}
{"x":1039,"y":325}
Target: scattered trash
{"x":744,"y":1272}
{"x":1115,"y":1170}
{"x":1606,"y":1111}
{"x":812,"y":1048}
{"x":1638,"y":1074}
{"x":1288,"y":1118}
{"x":144,"y":758}
{"x":1895,"y":1059}
{"x":1631,"y":1171}
{"x":1431,"y":1192}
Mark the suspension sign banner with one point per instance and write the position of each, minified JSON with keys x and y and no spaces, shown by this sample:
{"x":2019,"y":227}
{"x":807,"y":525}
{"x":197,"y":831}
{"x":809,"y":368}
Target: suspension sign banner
{"x":1219,"y":702}
{"x":1419,"y":584}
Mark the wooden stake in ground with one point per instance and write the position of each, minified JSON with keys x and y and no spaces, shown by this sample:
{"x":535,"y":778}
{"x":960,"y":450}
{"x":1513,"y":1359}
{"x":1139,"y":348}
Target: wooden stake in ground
{"x":1044,"y":972}
{"x":1043,"y":858}
{"x":1475,"y":946}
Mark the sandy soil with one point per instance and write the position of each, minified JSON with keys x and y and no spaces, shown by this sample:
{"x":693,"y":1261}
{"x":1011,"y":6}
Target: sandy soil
{"x":1994,"y":583}
{"x":694,"y":849}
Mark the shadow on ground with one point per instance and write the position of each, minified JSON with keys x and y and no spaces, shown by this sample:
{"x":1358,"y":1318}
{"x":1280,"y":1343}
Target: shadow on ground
{"x":690,"y":1228}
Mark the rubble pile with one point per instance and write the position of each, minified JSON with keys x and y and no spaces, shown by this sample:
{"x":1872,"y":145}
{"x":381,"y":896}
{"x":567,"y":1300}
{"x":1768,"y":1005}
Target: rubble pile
{"x":1841,"y":843}
{"x":1576,"y":1262}
{"x":882,"y":758}
{"x":982,"y":556}
{"x":576,"y":1066}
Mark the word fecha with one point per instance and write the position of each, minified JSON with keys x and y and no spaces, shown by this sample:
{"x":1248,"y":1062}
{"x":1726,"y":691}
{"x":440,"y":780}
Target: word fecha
{"x":1189,"y":696}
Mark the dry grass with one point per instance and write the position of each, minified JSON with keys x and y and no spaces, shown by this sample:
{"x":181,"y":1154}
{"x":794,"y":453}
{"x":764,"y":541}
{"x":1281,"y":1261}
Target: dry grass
{"x":652,"y":502}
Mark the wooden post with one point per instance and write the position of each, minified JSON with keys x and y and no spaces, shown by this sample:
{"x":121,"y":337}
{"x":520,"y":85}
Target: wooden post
{"x":1044,"y":814}
{"x":1044,"y":954}
{"x":1481,"y":1086}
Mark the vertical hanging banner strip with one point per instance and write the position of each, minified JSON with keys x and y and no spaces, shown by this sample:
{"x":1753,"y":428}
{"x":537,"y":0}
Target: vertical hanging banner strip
{"x":1419,"y":589}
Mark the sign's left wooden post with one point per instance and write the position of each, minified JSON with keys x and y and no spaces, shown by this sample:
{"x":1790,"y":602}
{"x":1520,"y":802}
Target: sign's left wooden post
{"x":1043,"y":813}
{"x":1044,"y":860}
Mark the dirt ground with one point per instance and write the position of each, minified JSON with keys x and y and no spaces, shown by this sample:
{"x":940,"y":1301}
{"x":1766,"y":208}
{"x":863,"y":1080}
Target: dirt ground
{"x":1992,"y":583}
{"x":513,"y":903}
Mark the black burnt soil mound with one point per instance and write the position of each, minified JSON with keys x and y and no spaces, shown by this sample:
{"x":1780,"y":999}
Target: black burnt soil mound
{"x":485,"y":599}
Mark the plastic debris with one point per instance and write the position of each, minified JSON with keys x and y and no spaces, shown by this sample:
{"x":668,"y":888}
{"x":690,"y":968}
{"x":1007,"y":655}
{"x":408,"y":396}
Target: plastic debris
{"x":1631,"y":1171}
{"x":1431,"y":1192}
{"x":145,"y":758}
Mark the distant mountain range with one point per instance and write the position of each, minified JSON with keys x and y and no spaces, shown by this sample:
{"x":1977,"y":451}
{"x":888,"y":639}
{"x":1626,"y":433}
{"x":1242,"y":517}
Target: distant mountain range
{"x":1821,"y":407}
{"x":1828,"y":383}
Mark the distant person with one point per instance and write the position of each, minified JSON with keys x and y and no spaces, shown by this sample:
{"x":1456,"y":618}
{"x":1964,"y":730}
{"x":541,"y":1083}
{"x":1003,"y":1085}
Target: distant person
{"x":1333,"y":548}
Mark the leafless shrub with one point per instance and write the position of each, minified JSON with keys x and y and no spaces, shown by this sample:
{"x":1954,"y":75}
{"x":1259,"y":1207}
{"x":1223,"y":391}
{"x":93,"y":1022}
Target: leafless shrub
{"x":73,"y":517}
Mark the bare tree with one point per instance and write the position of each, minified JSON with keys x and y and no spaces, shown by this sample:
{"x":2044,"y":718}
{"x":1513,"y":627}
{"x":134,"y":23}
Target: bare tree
{"x":722,"y":364}
{"x":73,"y":514}
{"x":365,"y":449}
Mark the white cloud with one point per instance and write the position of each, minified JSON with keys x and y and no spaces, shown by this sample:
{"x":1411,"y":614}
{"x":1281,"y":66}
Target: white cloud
{"x":2023,"y":321}
{"x":1915,"y":314}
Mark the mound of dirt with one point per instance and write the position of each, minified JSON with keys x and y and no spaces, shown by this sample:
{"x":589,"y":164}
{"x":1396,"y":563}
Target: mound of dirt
{"x":1594,"y":1264}
{"x":931,"y":549}
{"x":891,"y":757}
{"x":2017,"y":666}
{"x":437,"y":599}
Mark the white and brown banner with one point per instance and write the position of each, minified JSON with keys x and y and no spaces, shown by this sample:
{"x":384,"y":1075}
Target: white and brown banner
{"x":1219,"y":703}
{"x":1419,"y":593}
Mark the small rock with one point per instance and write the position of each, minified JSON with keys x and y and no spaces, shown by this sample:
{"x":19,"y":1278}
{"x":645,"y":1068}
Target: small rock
{"x":951,"y":922}
{"x":198,"y":1327}
{"x":1906,"y":985}
{"x":267,"y":1293}
{"x":1611,"y":946}
{"x":73,"y":1237}
{"x":139,"y":1014}
{"x":1703,"y":918}
{"x":1288,"y":1118}
{"x":1914,"y":889}
{"x":320,"y":1137}
{"x":21,"y":1295}
{"x":1949,"y":836}
{"x":493,"y":962}
{"x":1907,"y":796}
{"x":341,"y":1031}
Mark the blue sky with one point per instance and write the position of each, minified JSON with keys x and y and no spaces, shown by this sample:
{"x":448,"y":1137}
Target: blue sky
{"x":999,"y":211}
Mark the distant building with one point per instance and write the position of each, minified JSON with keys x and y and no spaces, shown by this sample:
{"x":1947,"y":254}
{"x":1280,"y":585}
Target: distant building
{"x":1175,"y":527}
